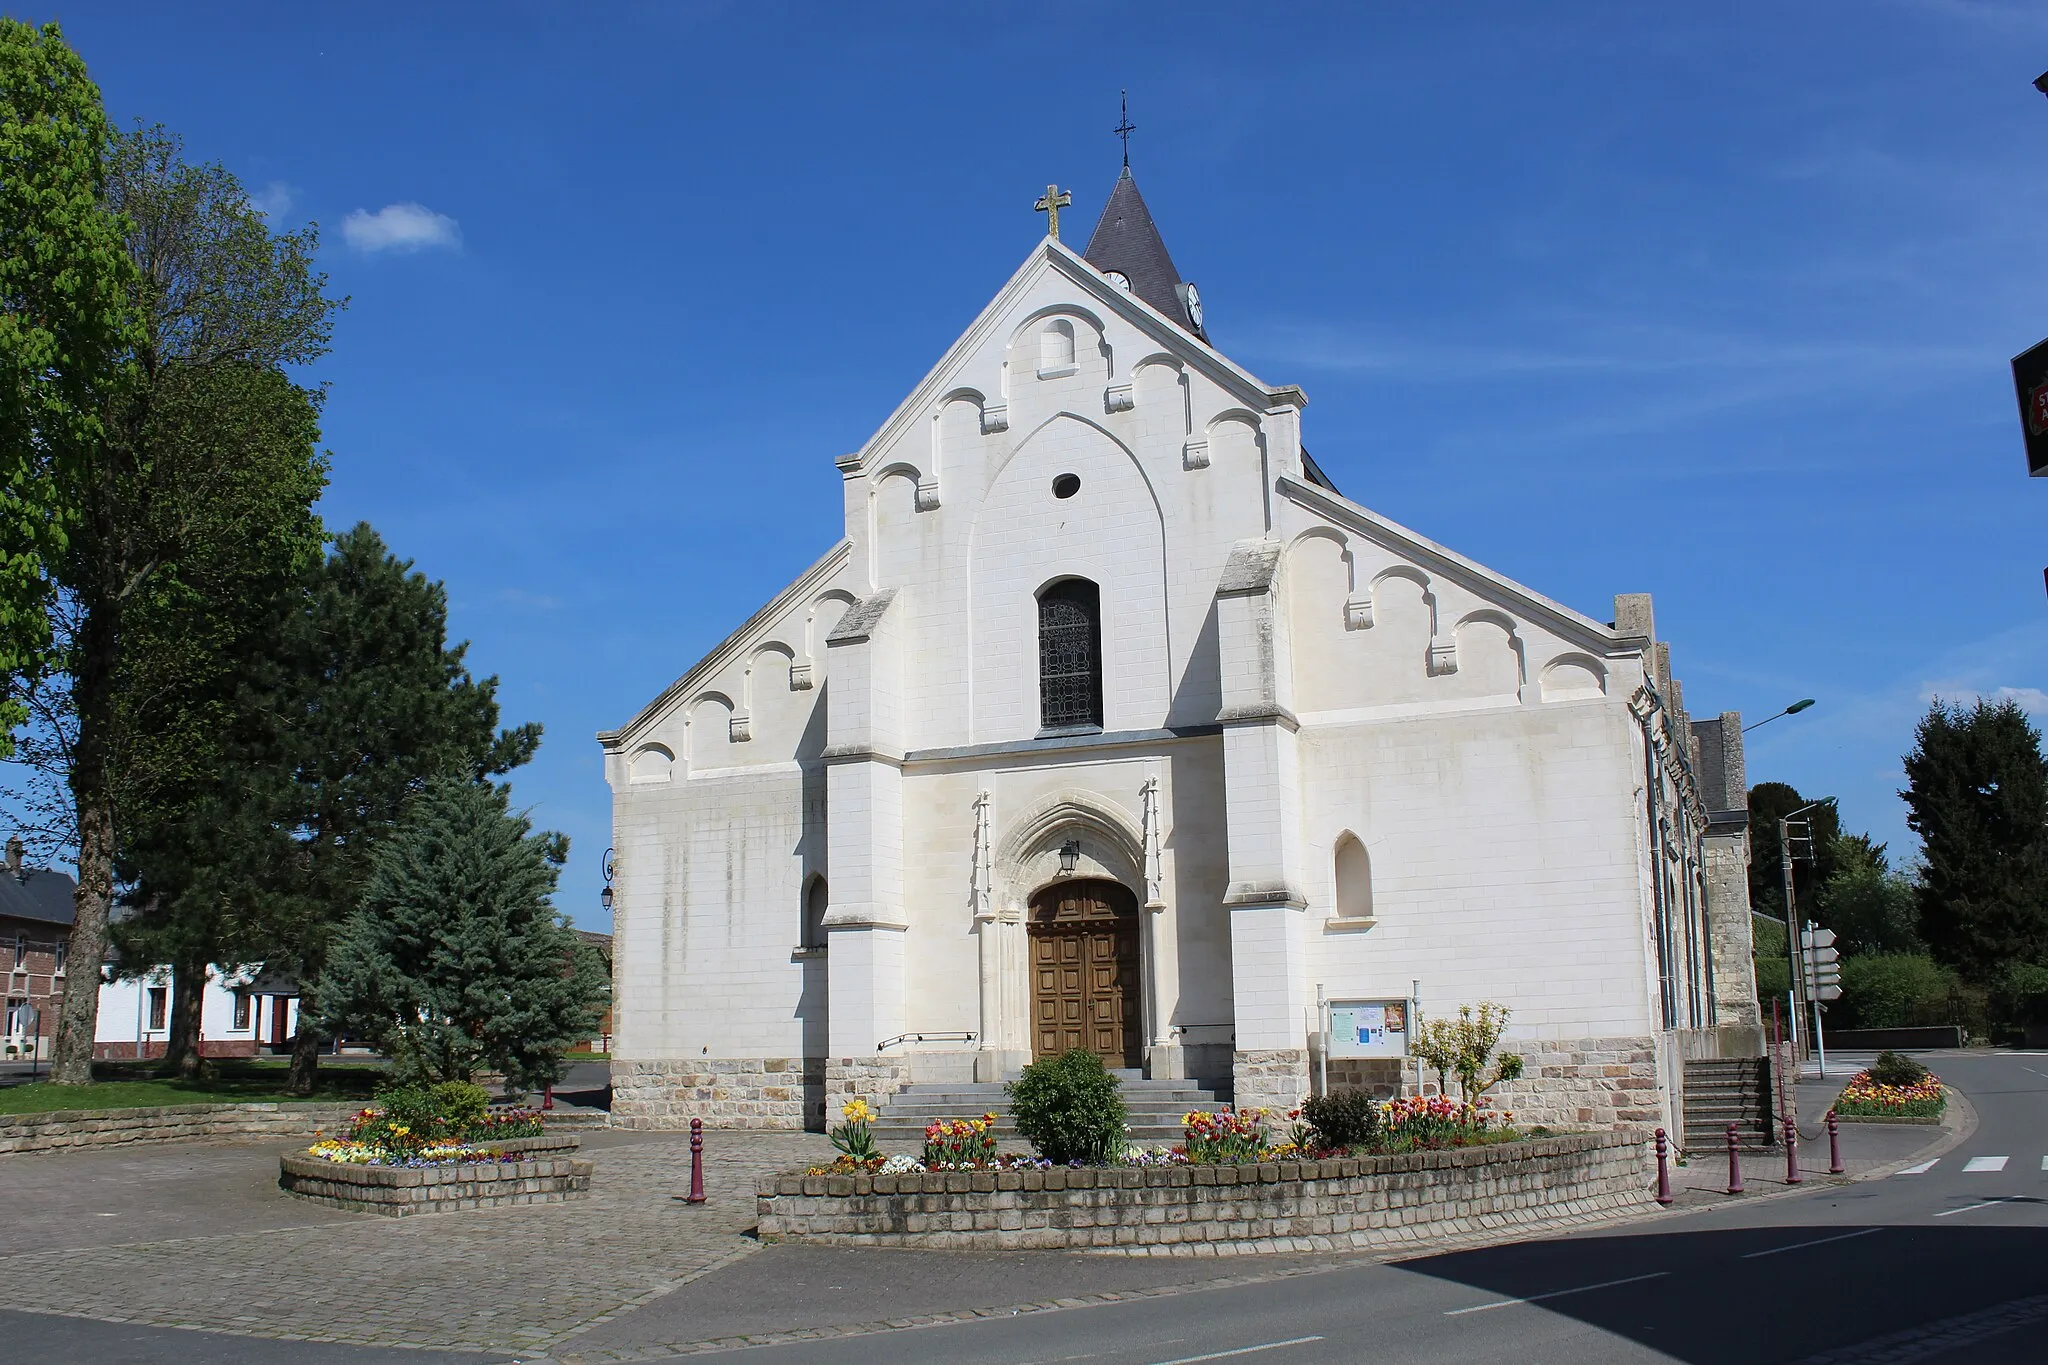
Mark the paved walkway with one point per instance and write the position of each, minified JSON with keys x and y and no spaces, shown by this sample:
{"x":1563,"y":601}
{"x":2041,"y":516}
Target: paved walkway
{"x":200,"y":1236}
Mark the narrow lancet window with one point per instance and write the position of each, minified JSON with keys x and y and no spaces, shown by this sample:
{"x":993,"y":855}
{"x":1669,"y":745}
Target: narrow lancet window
{"x":1070,"y":655}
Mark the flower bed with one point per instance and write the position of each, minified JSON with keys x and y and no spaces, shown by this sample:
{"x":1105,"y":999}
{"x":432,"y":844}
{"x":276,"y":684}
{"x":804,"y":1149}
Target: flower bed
{"x":430,"y":1149}
{"x":1225,"y":1137}
{"x":1350,"y":1202}
{"x":1866,"y":1098}
{"x":533,"y":1170}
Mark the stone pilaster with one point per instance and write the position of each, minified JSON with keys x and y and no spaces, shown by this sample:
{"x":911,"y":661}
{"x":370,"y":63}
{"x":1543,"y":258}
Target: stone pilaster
{"x":1275,"y":1079}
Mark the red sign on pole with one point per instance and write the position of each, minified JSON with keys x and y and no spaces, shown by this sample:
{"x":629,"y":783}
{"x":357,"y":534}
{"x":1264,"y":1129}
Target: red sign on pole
{"x":2030,"y":381}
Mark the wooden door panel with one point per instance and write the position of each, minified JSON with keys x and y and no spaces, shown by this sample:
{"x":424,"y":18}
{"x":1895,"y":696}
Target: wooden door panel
{"x":1085,"y":983}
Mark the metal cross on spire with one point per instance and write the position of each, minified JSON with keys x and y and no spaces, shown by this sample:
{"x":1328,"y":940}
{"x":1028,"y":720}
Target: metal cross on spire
{"x":1050,"y":203}
{"x":1125,"y":128}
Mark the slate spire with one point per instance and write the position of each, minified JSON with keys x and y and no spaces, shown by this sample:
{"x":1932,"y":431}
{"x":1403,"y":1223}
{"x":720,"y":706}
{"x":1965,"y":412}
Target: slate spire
{"x":1127,"y":242}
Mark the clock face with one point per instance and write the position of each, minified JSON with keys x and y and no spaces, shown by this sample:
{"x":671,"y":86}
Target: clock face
{"x":1119,"y":279}
{"x":1194,"y":305}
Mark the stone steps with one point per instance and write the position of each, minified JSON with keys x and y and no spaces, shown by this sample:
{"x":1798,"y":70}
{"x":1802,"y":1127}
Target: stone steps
{"x":1721,"y":1092}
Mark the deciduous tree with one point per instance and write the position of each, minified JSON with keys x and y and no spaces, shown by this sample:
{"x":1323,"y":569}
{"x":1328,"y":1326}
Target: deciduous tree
{"x":134,"y":446}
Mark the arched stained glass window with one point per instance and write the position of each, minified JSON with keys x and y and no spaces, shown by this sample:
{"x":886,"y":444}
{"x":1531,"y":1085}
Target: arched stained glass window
{"x":1070,"y":655}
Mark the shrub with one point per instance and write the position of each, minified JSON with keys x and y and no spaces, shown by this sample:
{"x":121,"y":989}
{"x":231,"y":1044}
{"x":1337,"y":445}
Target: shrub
{"x":1869,"y":1097}
{"x":1070,"y":1108}
{"x":2019,"y":996}
{"x":408,"y":1118}
{"x":1461,"y":1047}
{"x":1896,"y":1069}
{"x":1346,"y":1119}
{"x":1896,"y":990}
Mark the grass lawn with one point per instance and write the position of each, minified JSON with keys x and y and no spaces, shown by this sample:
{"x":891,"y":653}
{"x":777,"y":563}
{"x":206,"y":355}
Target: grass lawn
{"x":586,"y":1056}
{"x":132,"y":1086}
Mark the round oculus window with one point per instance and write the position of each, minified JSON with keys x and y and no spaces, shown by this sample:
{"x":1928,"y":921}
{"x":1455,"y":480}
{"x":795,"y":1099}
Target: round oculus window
{"x":1066,"y":485}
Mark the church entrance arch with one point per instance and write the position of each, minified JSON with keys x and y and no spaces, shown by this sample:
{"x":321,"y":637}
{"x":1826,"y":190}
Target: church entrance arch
{"x":1086,"y":991}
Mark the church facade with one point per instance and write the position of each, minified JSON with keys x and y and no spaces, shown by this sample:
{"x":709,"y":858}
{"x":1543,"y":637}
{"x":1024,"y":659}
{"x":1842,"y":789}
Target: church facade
{"x":1109,"y":723}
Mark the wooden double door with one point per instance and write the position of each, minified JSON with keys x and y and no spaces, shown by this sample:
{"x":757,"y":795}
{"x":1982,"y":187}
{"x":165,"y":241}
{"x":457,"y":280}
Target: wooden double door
{"x":1085,"y":987}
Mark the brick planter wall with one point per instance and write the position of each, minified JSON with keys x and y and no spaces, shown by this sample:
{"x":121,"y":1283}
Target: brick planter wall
{"x":1357,"y":1202}
{"x":68,"y":1128}
{"x":545,"y":1173}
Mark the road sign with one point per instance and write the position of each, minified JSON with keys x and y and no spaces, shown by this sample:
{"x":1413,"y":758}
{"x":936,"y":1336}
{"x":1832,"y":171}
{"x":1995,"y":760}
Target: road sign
{"x":2030,"y":378}
{"x":1823,"y":964}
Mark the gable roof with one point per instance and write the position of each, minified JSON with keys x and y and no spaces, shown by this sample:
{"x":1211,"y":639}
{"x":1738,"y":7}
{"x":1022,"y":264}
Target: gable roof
{"x":1098,"y":292}
{"x":38,"y":894}
{"x":1127,"y":240}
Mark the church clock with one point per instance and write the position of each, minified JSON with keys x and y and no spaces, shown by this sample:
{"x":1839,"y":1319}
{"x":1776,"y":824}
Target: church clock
{"x":1194,"y":304}
{"x":1119,"y":279}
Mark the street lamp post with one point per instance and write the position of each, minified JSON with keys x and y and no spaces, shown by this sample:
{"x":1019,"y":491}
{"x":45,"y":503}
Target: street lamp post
{"x":1794,"y":709}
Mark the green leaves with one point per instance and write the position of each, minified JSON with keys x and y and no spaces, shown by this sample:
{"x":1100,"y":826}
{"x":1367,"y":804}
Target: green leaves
{"x":1977,"y":795}
{"x":67,"y":320}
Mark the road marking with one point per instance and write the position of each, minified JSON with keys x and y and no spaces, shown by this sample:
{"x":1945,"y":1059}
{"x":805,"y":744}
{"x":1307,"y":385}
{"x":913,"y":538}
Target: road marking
{"x":2042,"y":1074}
{"x":1240,"y":1351}
{"x":2044,"y":1163}
{"x":1818,"y":1241}
{"x":1972,"y":1208}
{"x":1554,"y":1294}
{"x":1923,"y":1168}
{"x":1985,"y":1163}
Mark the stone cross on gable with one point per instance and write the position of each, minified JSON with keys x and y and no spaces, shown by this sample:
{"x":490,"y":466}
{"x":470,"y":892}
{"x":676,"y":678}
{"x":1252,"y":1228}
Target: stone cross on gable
{"x":1050,"y":203}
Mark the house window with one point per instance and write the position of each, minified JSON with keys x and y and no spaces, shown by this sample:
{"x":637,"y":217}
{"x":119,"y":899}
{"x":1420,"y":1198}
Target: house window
{"x":20,"y":953}
{"x":159,"y":1005}
{"x":17,"y":1018}
{"x":241,"y":1010}
{"x":58,"y":950}
{"x":1070,"y":655}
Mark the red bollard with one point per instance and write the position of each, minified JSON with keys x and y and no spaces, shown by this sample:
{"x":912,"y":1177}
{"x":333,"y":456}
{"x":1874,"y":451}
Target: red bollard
{"x":1734,"y":1162}
{"x":1835,"y":1166}
{"x":1663,"y":1169}
{"x":547,"y":1097}
{"x":1792,"y":1176}
{"x":696,"y":1162}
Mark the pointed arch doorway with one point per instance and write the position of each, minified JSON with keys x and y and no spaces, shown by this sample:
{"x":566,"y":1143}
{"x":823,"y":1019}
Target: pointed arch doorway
{"x":1086,"y":991}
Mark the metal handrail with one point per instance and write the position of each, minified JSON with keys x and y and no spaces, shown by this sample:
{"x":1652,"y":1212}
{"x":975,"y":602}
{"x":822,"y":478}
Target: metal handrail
{"x":888,"y":1043}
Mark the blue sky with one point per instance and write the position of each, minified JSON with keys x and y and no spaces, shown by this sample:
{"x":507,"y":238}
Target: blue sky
{"x":1709,"y":302}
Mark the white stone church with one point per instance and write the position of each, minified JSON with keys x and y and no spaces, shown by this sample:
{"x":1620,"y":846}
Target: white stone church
{"x":1109,"y":723}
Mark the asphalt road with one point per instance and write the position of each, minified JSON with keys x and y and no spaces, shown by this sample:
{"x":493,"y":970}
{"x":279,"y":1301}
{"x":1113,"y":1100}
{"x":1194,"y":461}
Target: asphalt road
{"x":1949,"y":1263}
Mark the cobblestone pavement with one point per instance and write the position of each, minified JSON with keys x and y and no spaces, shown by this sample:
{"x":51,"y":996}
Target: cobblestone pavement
{"x":199,"y":1236}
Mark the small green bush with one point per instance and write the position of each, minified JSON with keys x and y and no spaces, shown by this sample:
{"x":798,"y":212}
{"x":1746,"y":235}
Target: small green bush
{"x":1345,"y":1119}
{"x":1070,"y":1108}
{"x":1895,"y":990}
{"x":1894,"y":1068}
{"x":414,"y":1116}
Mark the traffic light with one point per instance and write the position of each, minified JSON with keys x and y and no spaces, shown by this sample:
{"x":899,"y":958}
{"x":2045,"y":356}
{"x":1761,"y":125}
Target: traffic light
{"x":1823,"y":963}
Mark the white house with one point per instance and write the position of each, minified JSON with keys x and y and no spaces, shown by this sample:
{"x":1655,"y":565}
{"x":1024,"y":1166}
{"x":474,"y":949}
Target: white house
{"x":1110,"y":723}
{"x":240,"y":1013}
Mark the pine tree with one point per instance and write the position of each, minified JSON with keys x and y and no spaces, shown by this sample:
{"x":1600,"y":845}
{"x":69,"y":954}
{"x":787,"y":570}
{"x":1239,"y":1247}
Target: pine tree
{"x":455,"y":961}
{"x":1977,"y":793}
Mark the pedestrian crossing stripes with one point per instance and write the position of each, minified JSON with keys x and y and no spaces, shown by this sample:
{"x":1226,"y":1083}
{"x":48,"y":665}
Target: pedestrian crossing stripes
{"x":1979,"y":1165}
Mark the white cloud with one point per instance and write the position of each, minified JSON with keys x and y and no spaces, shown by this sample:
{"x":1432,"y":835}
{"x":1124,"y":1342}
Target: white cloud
{"x":275,"y":199}
{"x":400,"y":227}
